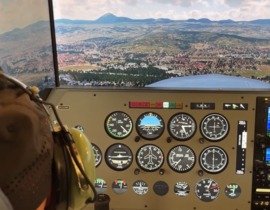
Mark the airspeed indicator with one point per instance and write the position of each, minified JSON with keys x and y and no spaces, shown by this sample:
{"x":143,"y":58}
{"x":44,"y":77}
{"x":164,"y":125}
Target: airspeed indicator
{"x":118,"y":125}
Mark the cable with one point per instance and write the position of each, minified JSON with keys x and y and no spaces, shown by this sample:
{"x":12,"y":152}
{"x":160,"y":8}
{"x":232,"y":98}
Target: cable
{"x":33,"y":94}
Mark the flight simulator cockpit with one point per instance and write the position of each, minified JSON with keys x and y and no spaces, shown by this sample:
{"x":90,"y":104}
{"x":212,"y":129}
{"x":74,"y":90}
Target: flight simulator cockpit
{"x":177,"y":148}
{"x":177,"y":111}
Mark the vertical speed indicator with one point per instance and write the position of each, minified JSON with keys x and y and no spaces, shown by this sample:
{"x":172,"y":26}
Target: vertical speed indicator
{"x":181,"y":158}
{"x":118,"y":125}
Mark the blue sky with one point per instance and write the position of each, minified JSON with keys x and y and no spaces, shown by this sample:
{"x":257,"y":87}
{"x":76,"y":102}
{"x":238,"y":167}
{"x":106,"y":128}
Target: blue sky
{"x":20,"y":13}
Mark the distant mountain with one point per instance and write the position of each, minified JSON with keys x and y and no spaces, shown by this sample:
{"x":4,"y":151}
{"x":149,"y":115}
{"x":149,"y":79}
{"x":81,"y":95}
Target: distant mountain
{"x":260,"y":21}
{"x":68,"y":21}
{"x":202,"y":20}
{"x":34,"y":36}
{"x":110,"y":18}
{"x":207,"y":21}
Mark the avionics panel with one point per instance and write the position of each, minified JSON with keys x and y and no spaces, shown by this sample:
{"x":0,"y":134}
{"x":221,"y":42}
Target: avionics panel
{"x":159,"y":149}
{"x":261,"y":168}
{"x":268,"y":122}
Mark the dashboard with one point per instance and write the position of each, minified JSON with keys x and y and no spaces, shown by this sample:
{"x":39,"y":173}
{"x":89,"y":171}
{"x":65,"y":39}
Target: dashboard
{"x":164,"y":148}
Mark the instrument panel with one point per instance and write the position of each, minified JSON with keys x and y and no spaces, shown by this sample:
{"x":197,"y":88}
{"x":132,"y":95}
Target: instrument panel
{"x":159,"y":149}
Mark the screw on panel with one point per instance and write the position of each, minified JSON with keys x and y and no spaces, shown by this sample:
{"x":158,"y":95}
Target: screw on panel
{"x":137,"y":139}
{"x":161,"y":171}
{"x":169,"y":139}
{"x":200,"y":172}
{"x":137,"y":171}
{"x":201,"y":140}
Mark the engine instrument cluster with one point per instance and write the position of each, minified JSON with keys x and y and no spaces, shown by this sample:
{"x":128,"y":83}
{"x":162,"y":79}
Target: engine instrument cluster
{"x":159,"y":149}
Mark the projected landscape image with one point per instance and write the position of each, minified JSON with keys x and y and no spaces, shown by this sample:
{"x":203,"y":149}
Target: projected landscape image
{"x":25,"y":42}
{"x":120,"y":51}
{"x":135,"y":43}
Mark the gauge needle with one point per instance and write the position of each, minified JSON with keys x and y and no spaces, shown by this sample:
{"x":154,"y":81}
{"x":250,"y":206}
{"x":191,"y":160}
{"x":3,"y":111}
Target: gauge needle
{"x":183,"y":127}
{"x":214,"y":187}
{"x":176,"y":163}
{"x":123,"y":128}
{"x":213,"y":159}
{"x":210,"y":184}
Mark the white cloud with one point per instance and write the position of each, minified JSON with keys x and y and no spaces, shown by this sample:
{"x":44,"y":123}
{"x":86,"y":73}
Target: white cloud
{"x":19,"y":13}
{"x":212,"y":9}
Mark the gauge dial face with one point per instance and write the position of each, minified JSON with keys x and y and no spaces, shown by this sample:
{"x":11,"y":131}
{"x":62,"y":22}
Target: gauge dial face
{"x":214,"y":127}
{"x":213,"y":159}
{"x":150,"y":125}
{"x":97,"y":155}
{"x":150,"y":157}
{"x":118,"y":157}
{"x":207,"y":190}
{"x":232,"y":190}
{"x":182,"y":126}
{"x":181,"y":189}
{"x":118,"y":125}
{"x":140,"y":187}
{"x":119,"y":186}
{"x":181,"y":158}
{"x":100,"y":185}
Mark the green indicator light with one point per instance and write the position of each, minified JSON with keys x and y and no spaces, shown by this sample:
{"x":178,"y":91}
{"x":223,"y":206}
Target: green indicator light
{"x":172,"y":105}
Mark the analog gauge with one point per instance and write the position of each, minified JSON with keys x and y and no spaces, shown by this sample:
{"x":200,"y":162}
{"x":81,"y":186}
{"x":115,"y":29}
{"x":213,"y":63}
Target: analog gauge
{"x":118,"y":125}
{"x":213,"y":159}
{"x":207,"y":190}
{"x":181,"y":189}
{"x":182,"y":126}
{"x":214,"y":127}
{"x":140,"y":187}
{"x":181,"y":158}
{"x":97,"y":154}
{"x":100,"y":185}
{"x":150,"y":126}
{"x":118,"y":157}
{"x":150,"y":157}
{"x":232,"y":190}
{"x":119,"y":186}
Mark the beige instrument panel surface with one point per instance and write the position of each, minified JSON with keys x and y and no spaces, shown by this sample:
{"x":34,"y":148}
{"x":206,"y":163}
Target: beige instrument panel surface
{"x":220,"y":178}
